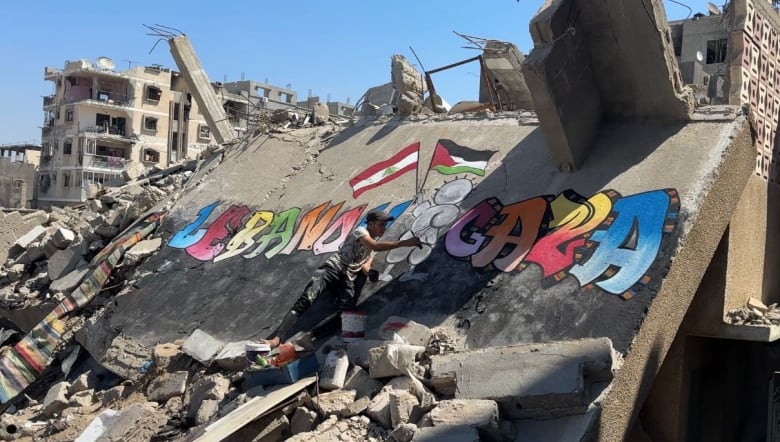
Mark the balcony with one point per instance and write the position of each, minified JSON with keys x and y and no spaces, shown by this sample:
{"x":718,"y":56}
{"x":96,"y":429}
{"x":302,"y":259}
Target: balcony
{"x":110,"y":133}
{"x":48,"y":101}
{"x":104,"y":163}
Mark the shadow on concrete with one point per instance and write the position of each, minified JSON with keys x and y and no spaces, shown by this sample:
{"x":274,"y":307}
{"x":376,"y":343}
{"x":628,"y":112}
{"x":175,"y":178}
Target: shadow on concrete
{"x":771,"y":283}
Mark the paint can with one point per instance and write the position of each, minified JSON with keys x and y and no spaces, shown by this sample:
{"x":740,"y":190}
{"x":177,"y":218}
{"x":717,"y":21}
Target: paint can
{"x":255,"y":349}
{"x":334,"y":370}
{"x":353,"y":325}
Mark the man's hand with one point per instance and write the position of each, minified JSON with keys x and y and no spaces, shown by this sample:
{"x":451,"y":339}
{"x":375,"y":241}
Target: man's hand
{"x":410,"y":242}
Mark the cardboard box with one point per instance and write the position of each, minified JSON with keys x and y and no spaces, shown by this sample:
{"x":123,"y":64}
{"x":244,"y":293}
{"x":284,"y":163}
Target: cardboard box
{"x":288,"y":374}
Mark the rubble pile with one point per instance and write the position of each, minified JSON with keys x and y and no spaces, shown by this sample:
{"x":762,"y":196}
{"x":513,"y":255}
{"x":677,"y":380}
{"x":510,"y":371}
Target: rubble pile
{"x":412,"y":384}
{"x":756,"y":313}
{"x":53,"y":257}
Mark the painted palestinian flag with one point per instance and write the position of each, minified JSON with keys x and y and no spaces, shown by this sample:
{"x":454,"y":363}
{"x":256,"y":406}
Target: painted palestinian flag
{"x":386,"y":171}
{"x":450,"y":158}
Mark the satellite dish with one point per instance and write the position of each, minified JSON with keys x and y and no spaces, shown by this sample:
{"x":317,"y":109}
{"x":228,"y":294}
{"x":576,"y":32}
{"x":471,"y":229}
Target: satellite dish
{"x":699,"y":56}
{"x":713,"y":9}
{"x":105,"y":63}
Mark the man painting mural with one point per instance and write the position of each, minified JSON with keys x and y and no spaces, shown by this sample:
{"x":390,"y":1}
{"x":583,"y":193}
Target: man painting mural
{"x":344,"y":273}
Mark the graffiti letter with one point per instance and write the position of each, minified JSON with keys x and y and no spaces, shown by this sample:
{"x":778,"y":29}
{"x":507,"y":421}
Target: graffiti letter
{"x":341,"y":227}
{"x":190,"y":234}
{"x":513,"y":236}
{"x":554,"y":252}
{"x":213,"y":242}
{"x":465,"y":237}
{"x":630,"y":244}
{"x":244,"y":239}
{"x":311,"y":227}
{"x":281,"y":230}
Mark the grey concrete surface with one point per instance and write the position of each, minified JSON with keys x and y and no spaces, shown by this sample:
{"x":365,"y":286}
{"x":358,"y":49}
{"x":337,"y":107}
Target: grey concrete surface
{"x":211,"y":274}
{"x":527,"y":380}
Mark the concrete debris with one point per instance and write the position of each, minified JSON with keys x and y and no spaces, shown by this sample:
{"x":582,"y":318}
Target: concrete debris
{"x":303,"y":420}
{"x":392,"y":359}
{"x":527,"y":380}
{"x":202,"y":347}
{"x":333,"y":402}
{"x":143,"y":249}
{"x":754,"y":313}
{"x":167,"y":386}
{"x":410,"y":332}
{"x":56,"y":399}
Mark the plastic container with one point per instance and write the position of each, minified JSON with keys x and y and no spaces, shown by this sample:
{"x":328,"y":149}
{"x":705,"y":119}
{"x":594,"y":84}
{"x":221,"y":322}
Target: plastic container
{"x":353,"y":326}
{"x":285,"y":355}
{"x":334,"y":370}
{"x":255,"y":349}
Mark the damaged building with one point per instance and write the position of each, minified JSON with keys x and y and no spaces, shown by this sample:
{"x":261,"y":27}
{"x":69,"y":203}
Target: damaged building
{"x":18,"y":164}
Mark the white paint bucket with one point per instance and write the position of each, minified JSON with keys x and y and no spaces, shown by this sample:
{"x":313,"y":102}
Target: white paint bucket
{"x":334,"y":370}
{"x":255,"y":349}
{"x":353,"y":325}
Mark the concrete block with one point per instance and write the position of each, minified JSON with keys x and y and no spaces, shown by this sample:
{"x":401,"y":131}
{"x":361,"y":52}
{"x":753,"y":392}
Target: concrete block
{"x":56,"y":399}
{"x":64,"y":262}
{"x":84,"y":382}
{"x":476,"y":413}
{"x":757,"y":304}
{"x":113,"y":395}
{"x":527,"y":380}
{"x":96,"y":206}
{"x":167,"y":386}
{"x":62,"y":238}
{"x":202,"y":347}
{"x":404,"y":408}
{"x":16,"y":271}
{"x":208,"y":388}
{"x":303,"y":420}
{"x":387,"y":361}
{"x":364,"y":385}
{"x":82,"y":398}
{"x":446,"y":434}
{"x":133,"y":171}
{"x":203,"y":411}
{"x":355,"y":407}
{"x":232,"y":356}
{"x":402,"y":433}
{"x":412,"y":332}
{"x":379,"y":409}
{"x":32,"y":235}
{"x":141,"y":250}
{"x":333,"y":402}
{"x":70,"y":281}
{"x":357,"y":351}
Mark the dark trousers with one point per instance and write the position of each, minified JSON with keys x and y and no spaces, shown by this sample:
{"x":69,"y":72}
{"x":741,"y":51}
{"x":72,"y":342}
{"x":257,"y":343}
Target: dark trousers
{"x":341,"y":294}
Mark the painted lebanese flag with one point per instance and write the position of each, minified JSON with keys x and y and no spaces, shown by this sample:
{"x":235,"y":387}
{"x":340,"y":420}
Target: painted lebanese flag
{"x":450,"y":158}
{"x":386,"y":171}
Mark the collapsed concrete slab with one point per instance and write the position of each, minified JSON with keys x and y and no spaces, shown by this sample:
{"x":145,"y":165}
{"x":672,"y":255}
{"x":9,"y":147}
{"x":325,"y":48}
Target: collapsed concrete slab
{"x":528,"y":380}
{"x":584,"y":68}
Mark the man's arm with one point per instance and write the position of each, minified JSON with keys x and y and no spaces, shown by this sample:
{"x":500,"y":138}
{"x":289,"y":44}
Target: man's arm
{"x":382,"y":246}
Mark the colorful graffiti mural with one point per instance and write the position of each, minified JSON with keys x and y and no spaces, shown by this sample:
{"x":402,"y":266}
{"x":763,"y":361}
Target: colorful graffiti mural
{"x":234,"y":232}
{"x":606,"y":240}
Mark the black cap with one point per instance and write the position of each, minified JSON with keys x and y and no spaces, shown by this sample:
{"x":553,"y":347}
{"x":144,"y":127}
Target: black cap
{"x":378,"y":215}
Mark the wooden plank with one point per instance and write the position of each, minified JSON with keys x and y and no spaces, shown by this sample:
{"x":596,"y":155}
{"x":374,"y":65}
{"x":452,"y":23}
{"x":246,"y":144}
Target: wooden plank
{"x":250,"y":411}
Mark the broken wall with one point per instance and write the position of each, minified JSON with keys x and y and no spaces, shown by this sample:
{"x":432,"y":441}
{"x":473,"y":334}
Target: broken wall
{"x":17,"y":184}
{"x":607,"y":59}
{"x":502,"y":66}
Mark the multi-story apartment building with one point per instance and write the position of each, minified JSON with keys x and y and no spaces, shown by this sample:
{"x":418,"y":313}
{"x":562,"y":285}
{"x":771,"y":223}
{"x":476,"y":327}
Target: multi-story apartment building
{"x":98,"y":120}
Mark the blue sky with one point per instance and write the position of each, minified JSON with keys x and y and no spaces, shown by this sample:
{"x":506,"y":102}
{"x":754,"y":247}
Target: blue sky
{"x":338,"y":48}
